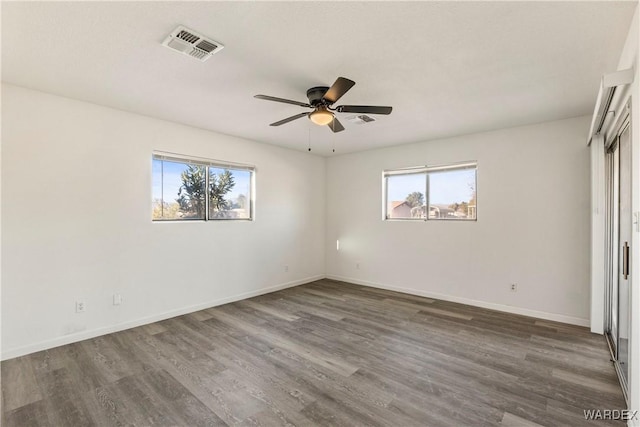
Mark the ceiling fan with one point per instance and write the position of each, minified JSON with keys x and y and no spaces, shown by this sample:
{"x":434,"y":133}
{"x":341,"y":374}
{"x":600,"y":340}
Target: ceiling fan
{"x":321,"y":99}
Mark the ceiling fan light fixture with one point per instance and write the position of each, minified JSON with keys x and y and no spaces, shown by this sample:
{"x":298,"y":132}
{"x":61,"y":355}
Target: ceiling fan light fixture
{"x":321,"y":117}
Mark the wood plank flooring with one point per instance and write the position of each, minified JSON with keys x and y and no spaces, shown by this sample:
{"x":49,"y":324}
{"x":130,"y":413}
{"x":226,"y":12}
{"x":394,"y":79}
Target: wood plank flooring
{"x":325,"y":353}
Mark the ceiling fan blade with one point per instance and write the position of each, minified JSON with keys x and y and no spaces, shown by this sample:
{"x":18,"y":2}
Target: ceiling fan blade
{"x":364,"y":109}
{"x":339,"y":88}
{"x":335,"y":125}
{"x":289,"y":119}
{"x":286,"y":101}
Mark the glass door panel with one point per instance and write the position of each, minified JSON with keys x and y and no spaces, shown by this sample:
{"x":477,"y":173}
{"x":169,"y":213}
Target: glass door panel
{"x":624,"y":251}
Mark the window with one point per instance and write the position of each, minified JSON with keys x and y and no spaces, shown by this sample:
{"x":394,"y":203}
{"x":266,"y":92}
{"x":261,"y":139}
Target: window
{"x":187,"y":188}
{"x":406,"y":194}
{"x":431,"y":192}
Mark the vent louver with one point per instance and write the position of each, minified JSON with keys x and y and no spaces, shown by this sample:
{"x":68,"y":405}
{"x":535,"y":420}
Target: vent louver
{"x":191,"y":43}
{"x":187,"y":36}
{"x":206,"y":46}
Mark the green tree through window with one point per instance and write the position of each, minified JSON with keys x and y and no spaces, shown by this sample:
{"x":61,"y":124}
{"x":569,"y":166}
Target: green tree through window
{"x":225,"y":189}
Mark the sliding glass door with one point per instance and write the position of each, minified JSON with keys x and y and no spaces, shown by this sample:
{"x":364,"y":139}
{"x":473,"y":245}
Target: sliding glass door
{"x":618,"y":245}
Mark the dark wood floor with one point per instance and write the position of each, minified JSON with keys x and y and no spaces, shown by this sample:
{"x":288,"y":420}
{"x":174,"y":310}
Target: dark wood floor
{"x":325,"y":353}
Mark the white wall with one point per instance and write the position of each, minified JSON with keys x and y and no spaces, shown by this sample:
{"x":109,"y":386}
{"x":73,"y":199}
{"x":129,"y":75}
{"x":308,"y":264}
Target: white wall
{"x":76,"y":211}
{"x":533,"y":223}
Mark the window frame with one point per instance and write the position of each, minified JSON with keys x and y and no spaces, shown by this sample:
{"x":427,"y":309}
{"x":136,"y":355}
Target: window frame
{"x":206,"y":163}
{"x":427,"y":170}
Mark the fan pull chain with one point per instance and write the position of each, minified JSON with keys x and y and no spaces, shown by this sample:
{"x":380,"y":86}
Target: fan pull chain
{"x":309,"y":139}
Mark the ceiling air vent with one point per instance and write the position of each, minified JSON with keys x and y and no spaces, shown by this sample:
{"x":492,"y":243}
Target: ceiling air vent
{"x":360,"y":120}
{"x":191,"y":43}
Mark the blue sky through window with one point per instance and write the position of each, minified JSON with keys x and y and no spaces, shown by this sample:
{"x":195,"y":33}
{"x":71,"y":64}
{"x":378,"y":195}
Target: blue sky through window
{"x":450,"y":187}
{"x":172,"y":180}
{"x":400,"y":186}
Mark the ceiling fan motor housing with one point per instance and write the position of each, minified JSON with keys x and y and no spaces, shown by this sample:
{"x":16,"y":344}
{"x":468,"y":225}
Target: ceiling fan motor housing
{"x":315,"y":95}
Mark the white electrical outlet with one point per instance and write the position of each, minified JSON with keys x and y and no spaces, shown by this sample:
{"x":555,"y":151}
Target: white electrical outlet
{"x":514,"y":287}
{"x":80,"y":307}
{"x":357,"y":266}
{"x":286,"y":268}
{"x":117,"y":299}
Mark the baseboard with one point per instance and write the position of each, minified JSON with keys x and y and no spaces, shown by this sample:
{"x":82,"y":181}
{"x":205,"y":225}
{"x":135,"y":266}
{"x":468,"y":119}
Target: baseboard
{"x":477,"y":303}
{"x":80,"y":336}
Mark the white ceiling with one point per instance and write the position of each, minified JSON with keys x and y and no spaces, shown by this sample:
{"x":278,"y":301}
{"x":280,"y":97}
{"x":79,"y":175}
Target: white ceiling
{"x":447,"y":68}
